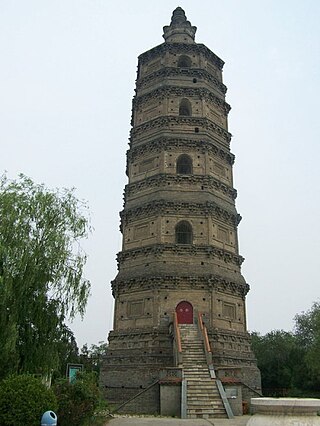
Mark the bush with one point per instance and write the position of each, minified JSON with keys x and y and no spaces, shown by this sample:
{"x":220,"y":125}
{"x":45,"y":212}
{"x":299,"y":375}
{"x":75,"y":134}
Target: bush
{"x":23,"y":400}
{"x":77,"y":401}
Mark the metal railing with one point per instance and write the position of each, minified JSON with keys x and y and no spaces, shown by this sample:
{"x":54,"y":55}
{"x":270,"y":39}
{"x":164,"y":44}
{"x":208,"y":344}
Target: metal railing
{"x":177,"y":341}
{"x":204,"y":334}
{"x":115,"y":410}
{"x":207,"y":349}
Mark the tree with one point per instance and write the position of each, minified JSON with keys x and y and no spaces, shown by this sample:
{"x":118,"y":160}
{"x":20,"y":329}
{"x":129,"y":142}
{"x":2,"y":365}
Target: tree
{"x":280,"y":360}
{"x":91,"y":357}
{"x":41,"y":272}
{"x":307,"y":331}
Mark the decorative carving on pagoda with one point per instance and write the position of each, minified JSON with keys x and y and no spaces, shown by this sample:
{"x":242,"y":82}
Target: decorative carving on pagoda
{"x":179,"y":249}
{"x":159,"y":145}
{"x":165,"y":92}
{"x":166,"y":122}
{"x":191,"y":73}
{"x":181,"y":48}
{"x":173,"y":282}
{"x":198,"y":182}
{"x":160,"y":207}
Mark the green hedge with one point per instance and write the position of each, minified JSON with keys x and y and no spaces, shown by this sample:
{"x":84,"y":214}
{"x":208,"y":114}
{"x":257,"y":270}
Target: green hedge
{"x":23,"y":400}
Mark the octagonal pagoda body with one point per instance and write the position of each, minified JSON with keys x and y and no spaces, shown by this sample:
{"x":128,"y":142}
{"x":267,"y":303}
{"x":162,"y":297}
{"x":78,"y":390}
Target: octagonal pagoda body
{"x":179,"y":223}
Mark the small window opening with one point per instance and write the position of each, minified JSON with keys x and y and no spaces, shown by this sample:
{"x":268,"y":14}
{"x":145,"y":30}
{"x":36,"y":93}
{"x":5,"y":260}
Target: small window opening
{"x":185,"y":107}
{"x":184,"y":165}
{"x":184,"y":233}
{"x":184,"y":62}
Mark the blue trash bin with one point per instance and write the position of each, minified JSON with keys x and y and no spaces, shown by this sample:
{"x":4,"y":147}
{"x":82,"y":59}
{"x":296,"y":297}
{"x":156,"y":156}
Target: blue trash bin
{"x":49,"y":418}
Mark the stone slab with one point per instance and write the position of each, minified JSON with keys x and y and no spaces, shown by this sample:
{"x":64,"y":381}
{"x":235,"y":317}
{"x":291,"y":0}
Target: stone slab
{"x":167,"y":421}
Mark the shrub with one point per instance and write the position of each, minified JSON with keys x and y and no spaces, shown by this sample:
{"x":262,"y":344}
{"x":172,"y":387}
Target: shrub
{"x":77,"y":401}
{"x":23,"y":400}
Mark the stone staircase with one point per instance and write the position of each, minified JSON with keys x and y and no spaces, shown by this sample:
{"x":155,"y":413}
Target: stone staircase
{"x":203,"y":397}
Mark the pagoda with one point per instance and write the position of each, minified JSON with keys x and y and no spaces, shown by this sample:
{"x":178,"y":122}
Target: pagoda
{"x":180,"y":297}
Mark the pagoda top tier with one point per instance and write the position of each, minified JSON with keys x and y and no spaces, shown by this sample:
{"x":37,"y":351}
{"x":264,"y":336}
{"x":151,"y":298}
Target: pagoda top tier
{"x":180,"y":29}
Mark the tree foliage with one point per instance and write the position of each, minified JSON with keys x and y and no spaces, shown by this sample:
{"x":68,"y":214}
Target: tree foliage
{"x":290,"y":362}
{"x":77,"y":401}
{"x":278,"y":356}
{"x":92,"y":357}
{"x":41,"y":272}
{"x":23,"y":400}
{"x":307,"y":331}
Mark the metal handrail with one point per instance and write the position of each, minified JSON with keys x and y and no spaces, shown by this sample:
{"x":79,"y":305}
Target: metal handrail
{"x":204,"y":335}
{"x":250,"y":388}
{"x":204,"y":332}
{"x":177,"y":339}
{"x":208,"y":353}
{"x":133,"y":397}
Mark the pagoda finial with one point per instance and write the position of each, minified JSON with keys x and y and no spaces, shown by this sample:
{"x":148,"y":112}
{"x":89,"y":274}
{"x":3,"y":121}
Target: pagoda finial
{"x":180,"y":29}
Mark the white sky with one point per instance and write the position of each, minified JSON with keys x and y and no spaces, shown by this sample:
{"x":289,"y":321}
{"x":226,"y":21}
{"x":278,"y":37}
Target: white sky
{"x":67,"y":73}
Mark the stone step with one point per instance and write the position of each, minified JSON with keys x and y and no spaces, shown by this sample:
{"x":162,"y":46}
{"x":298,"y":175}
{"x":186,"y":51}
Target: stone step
{"x":198,"y":346}
{"x":207,"y":389}
{"x":204,"y":393}
{"x":191,"y":365}
{"x":193,"y":384}
{"x":194,"y":361}
{"x":190,"y":368}
{"x":202,"y":400}
{"x":194,"y":376}
{"x":190,"y":340}
{"x":192,"y":346}
{"x":195,"y":364}
{"x":205,"y":400}
{"x":194,"y":355}
{"x":205,"y":407}
{"x":194,"y":373}
{"x":200,"y":358}
{"x":192,"y":350}
{"x":217,"y":410}
{"x":208,"y":410}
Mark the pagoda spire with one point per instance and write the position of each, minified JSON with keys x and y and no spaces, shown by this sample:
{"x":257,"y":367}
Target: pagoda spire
{"x":180,"y":29}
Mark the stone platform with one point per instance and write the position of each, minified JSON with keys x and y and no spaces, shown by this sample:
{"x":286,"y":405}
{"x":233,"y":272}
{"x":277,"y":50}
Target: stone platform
{"x":168,"y":421}
{"x":285,"y":412}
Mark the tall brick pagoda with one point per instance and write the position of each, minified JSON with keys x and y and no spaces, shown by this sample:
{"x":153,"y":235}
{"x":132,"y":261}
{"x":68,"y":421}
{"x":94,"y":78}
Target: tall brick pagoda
{"x":179,"y":256}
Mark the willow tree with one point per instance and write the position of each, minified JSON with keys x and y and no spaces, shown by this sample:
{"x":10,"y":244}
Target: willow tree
{"x":41,"y":272}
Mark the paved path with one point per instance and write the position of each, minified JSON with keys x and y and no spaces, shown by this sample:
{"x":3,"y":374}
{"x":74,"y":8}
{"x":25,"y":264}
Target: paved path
{"x":168,"y":421}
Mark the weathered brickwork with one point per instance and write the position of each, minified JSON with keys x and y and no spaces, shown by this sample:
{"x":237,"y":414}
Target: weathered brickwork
{"x":179,"y":224}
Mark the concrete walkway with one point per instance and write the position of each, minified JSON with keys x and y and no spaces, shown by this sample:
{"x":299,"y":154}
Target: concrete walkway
{"x":168,"y":421}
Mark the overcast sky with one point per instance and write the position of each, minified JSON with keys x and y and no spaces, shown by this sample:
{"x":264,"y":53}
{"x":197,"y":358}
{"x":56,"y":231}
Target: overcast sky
{"x":67,"y":76}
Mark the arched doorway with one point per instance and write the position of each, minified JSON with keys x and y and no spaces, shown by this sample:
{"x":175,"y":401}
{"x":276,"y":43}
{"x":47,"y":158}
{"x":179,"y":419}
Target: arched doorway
{"x":184,"y":313}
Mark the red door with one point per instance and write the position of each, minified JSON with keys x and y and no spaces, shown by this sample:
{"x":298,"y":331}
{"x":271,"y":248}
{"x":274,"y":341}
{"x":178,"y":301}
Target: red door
{"x":184,"y":313}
